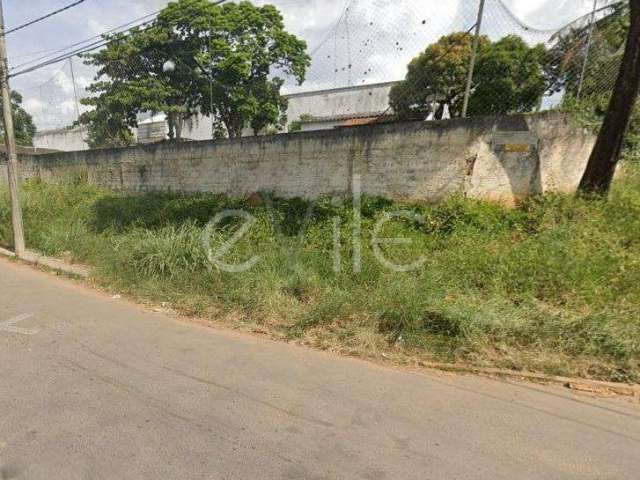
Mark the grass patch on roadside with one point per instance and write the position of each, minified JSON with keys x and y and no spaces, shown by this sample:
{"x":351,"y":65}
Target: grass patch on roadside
{"x":552,"y":286}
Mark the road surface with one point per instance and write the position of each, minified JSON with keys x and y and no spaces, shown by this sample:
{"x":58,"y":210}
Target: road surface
{"x":97,"y":388}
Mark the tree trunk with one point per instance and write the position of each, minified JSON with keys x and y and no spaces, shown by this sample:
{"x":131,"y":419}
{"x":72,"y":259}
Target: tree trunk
{"x":179,"y":123}
{"x":606,"y":152}
{"x":171,"y":123}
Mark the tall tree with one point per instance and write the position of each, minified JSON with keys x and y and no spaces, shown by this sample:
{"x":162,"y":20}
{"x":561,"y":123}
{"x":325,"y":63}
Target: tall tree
{"x":436,"y":78}
{"x":107,"y":128}
{"x":23,"y":124}
{"x":509,"y":77}
{"x":199,"y":58}
{"x":606,"y":153}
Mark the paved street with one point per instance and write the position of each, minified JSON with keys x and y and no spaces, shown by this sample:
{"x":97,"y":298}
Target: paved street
{"x":97,"y":388}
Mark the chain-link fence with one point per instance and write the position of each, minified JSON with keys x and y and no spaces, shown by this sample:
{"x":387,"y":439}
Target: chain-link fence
{"x":369,"y":61}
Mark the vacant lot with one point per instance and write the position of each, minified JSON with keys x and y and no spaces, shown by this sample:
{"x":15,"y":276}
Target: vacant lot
{"x":553,"y":286}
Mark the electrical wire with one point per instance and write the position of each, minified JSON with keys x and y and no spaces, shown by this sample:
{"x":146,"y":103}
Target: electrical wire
{"x":44,"y":17}
{"x":62,"y":49}
{"x":67,"y":54}
{"x":90,"y":47}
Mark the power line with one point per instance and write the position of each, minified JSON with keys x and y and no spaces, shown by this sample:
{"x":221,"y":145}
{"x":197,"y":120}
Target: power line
{"x":64,"y":54}
{"x":86,"y":49}
{"x":62,"y":49}
{"x":91,"y":46}
{"x":44,"y":17}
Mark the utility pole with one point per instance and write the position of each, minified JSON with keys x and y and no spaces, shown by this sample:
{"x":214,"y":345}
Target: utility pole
{"x":472,"y":64}
{"x":13,"y":169}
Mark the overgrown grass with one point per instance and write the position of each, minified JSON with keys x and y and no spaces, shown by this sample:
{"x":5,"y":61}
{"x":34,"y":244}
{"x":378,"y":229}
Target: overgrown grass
{"x":552,"y":286}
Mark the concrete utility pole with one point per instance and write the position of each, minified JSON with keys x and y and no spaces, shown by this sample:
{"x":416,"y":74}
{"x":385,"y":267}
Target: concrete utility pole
{"x":472,"y":64}
{"x":10,"y":144}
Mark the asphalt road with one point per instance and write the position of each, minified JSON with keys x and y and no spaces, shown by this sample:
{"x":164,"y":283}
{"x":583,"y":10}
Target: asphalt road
{"x":97,"y":388}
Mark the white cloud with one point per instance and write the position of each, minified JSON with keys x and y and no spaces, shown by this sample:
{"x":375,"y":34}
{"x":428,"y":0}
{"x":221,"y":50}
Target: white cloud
{"x":33,"y":105}
{"x":64,"y":83}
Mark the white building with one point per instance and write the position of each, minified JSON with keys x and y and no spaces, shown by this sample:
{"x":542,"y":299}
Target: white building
{"x":65,"y":139}
{"x":313,"y":110}
{"x":327,"y":109}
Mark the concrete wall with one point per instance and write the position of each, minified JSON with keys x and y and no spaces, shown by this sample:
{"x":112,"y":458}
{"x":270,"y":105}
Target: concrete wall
{"x":501,"y":159}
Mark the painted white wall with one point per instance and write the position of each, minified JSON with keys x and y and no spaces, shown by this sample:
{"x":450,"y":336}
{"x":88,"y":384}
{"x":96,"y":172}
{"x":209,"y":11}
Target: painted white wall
{"x":63,"y":139}
{"x":365,"y":100}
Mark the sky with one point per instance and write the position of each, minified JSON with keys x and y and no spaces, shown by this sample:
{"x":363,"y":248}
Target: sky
{"x":377,"y":38}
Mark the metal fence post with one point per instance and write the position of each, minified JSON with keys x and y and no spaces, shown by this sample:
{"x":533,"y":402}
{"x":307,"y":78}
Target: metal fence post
{"x":588,"y":49}
{"x":472,"y":63}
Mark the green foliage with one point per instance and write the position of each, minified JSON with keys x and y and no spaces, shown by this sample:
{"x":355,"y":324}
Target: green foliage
{"x":23,"y":125}
{"x":549,"y":286}
{"x":605,"y":55}
{"x":227,"y":61}
{"x":590,"y":112}
{"x":436,"y":77}
{"x":296,"y":125}
{"x":566,"y":59}
{"x":107,"y":128}
{"x":508,"y":78}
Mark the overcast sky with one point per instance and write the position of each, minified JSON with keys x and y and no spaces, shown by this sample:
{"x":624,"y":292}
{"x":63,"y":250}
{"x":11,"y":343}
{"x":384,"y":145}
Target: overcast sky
{"x":376,"y":37}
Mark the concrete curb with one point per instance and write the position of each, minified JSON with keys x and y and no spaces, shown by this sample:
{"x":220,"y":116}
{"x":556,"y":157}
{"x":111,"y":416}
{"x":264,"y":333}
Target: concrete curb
{"x":38,"y":259}
{"x":577,"y":384}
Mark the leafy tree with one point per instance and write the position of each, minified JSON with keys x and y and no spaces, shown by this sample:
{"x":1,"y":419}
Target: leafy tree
{"x":106,"y":128}
{"x":224,"y":60}
{"x":605,"y":56}
{"x":566,"y":58}
{"x":509,"y":77}
{"x":436,"y":78}
{"x":23,"y":125}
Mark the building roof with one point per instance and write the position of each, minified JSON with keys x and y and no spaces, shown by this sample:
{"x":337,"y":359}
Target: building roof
{"x":354,"y":117}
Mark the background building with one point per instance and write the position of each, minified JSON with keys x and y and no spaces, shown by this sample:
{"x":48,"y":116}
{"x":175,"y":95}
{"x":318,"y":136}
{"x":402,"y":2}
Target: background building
{"x":307,"y":111}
